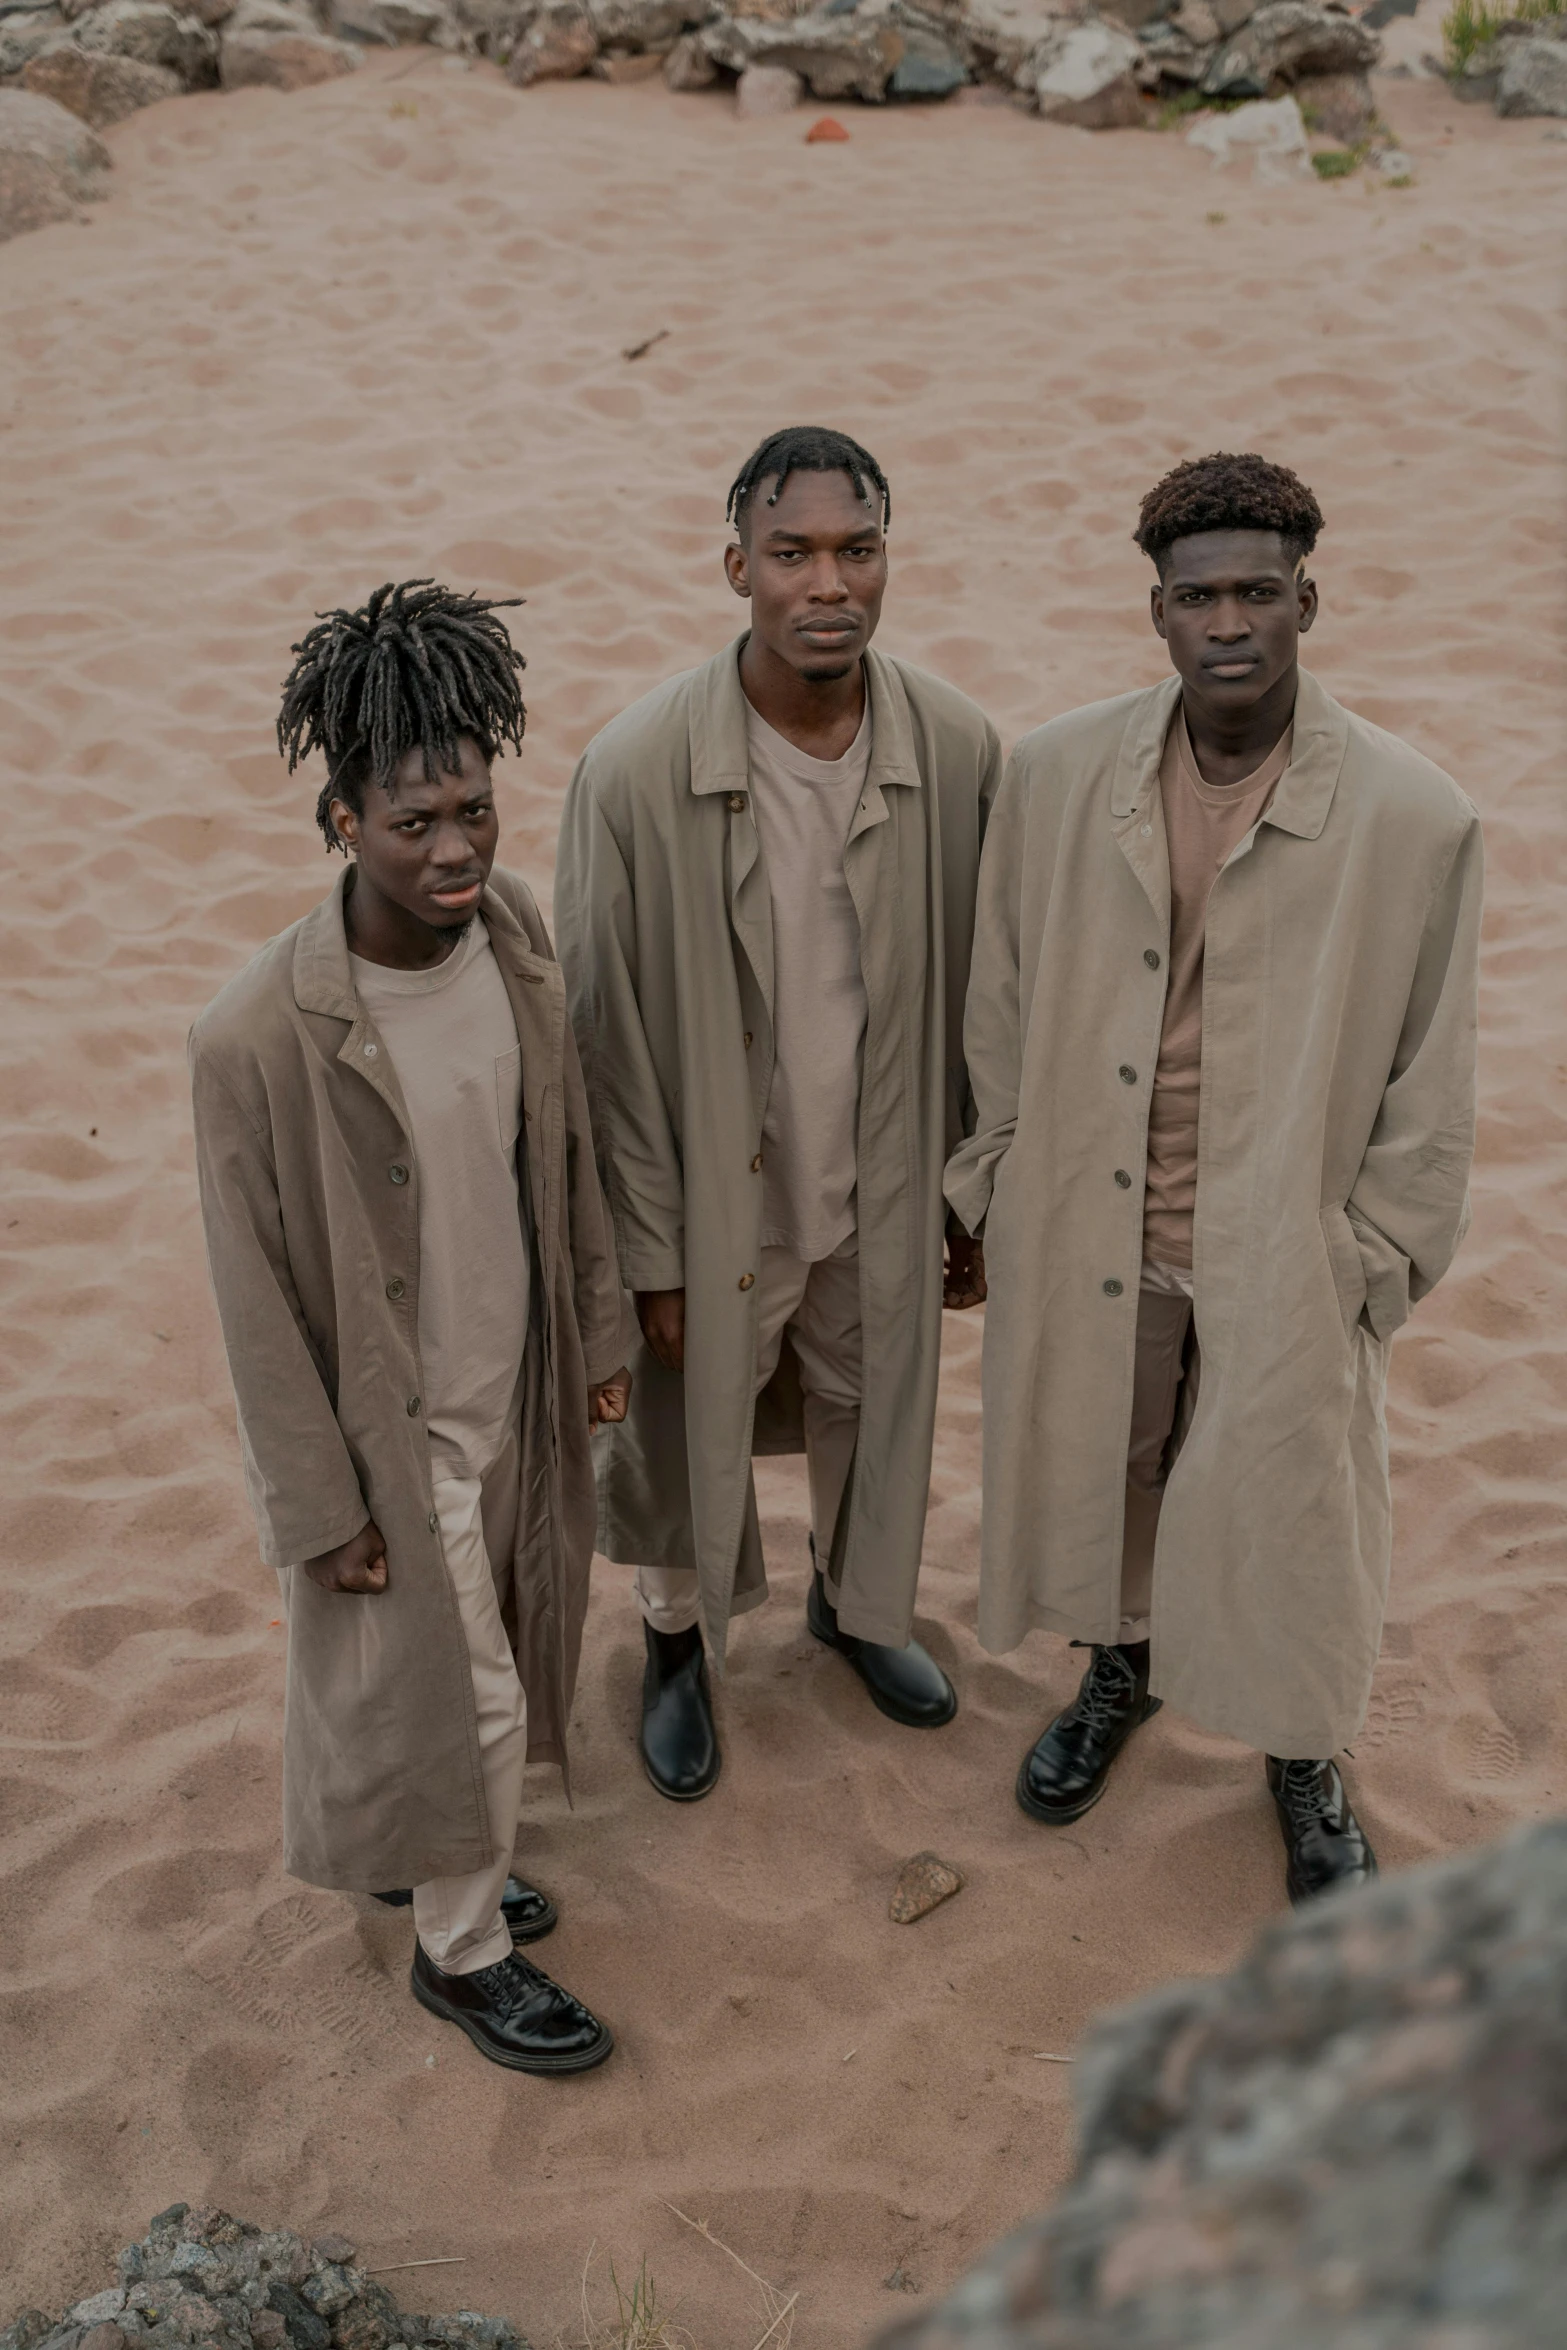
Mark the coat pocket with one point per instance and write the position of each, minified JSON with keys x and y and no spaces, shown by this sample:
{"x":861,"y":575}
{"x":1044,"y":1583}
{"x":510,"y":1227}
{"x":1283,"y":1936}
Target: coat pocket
{"x":1346,"y":1265}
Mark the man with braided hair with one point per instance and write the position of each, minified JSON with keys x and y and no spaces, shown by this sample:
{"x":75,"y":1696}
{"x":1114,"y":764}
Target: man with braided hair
{"x":1221,"y":1032}
{"x":416,"y":1281}
{"x":765,"y":902}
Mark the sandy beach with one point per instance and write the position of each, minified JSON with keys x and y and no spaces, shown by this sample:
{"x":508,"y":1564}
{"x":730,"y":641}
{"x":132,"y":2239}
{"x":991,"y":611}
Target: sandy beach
{"x":378,"y":330}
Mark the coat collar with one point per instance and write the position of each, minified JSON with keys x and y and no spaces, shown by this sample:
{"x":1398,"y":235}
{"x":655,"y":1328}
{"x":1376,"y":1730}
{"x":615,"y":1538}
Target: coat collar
{"x":720,"y":760}
{"x":324,"y":981}
{"x":1305,"y":791}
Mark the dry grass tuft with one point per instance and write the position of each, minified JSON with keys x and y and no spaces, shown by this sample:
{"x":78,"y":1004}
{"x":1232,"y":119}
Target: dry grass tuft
{"x":778,"y":2308}
{"x":639,"y":2323}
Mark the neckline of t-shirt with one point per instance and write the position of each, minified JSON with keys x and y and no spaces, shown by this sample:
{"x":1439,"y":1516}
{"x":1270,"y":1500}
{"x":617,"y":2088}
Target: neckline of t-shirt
{"x":790,"y":754}
{"x":1232,"y":795}
{"x":391,"y":981}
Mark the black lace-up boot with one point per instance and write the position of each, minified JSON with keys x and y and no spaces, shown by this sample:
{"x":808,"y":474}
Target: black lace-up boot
{"x":514,"y":2015}
{"x":1326,"y":1844}
{"x":1064,"y":1773}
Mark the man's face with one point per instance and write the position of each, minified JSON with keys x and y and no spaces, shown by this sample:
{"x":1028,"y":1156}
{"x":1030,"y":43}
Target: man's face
{"x":815,"y":569}
{"x":427,"y":847}
{"x":1232,"y":611}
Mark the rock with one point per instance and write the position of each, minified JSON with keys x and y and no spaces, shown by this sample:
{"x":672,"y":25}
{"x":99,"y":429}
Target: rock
{"x":1270,"y":129}
{"x":1132,"y":13}
{"x":155,"y":34}
{"x":50,"y":165}
{"x":1339,"y":104}
{"x":1087,"y":75}
{"x":768,"y":89}
{"x":924,"y":1883}
{"x":97,"y":2308}
{"x":26,"y":2330}
{"x":622,"y":65}
{"x":1198,"y":22}
{"x":493,"y":27}
{"x":1000,"y":36}
{"x":267,"y":2330}
{"x":688,"y":66}
{"x":1171,"y":56}
{"x":643,"y":24}
{"x":99,"y":91}
{"x":104,"y":2336}
{"x":1397,"y":168}
{"x":394,"y":24}
{"x":1285,"y":40}
{"x":852,"y":55}
{"x":559,"y":44}
{"x":1356,"y":2141}
{"x":25,"y":33}
{"x":930,"y":67}
{"x":269,"y":44}
{"x":1533,"y":76}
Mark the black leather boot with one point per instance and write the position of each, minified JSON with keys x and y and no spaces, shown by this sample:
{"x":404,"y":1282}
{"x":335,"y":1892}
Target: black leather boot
{"x":678,"y":1743}
{"x":514,"y":2015}
{"x":1326,"y":1844}
{"x":1065,"y":1771}
{"x":906,"y":1684}
{"x":529,"y":1913}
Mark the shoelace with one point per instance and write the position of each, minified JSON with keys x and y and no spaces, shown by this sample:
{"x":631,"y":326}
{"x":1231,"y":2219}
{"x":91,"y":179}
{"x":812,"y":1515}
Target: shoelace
{"x":1308,"y":1795}
{"x":508,"y":1981}
{"x":1108,"y":1688}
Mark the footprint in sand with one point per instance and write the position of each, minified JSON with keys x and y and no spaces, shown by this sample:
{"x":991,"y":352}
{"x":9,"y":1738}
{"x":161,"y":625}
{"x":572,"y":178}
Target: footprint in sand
{"x":1487,"y":1748}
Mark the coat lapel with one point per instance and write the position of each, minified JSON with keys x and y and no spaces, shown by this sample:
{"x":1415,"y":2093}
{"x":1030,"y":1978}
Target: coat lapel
{"x":324,"y":982}
{"x":720,"y":762}
{"x":1136,"y":806}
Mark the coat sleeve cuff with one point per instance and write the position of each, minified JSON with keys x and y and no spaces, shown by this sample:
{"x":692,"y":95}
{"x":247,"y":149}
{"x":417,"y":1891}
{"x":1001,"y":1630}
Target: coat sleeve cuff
{"x":290,"y":1544}
{"x":653,"y":1269}
{"x":611,"y":1352}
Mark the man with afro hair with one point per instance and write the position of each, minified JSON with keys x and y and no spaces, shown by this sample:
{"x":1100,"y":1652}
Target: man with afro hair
{"x":1221,"y":1034}
{"x":415,"y":1277}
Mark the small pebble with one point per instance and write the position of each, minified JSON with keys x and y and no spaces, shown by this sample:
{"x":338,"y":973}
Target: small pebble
{"x":923,"y":1884}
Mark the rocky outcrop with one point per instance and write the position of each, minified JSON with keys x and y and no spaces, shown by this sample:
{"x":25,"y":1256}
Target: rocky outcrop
{"x":24,"y":32}
{"x":395,"y":24}
{"x":849,"y":54}
{"x":268,"y":44}
{"x":50,"y":163}
{"x":1284,"y":41}
{"x":1357,"y":2141}
{"x":1532,"y":75}
{"x":560,"y":43}
{"x":97,"y":89}
{"x":202,"y":2278}
{"x":153,"y":33}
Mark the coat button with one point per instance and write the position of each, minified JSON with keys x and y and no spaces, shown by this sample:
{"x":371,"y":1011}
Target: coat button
{"x":413,"y":1407}
{"x":756,"y":1164}
{"x":399,"y":1174}
{"x":1151,"y":958}
{"x":1123,"y":1179}
{"x":370,"y":1051}
{"x":435,"y":1523}
{"x":748,"y":1280}
{"x":1112,"y":1288}
{"x":396,"y":1286}
{"x":736,"y":802}
{"x":746,"y":1040}
{"x":1127,"y":1074}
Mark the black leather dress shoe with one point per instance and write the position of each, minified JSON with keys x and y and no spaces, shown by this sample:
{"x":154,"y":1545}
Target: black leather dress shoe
{"x":1326,"y":1844}
{"x":906,"y":1684}
{"x":1064,"y":1772}
{"x":677,"y":1742}
{"x":529,"y":1913}
{"x":514,"y":2015}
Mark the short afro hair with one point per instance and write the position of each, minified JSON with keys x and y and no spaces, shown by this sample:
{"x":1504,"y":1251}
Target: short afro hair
{"x":1225,"y":492}
{"x":807,"y":448}
{"x":413,"y":669}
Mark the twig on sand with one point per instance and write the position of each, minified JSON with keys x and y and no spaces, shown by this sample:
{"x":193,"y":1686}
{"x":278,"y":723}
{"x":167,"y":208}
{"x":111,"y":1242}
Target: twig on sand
{"x":778,"y":2308}
{"x":1043,"y":2056}
{"x":442,"y":2260}
{"x":641,"y":350}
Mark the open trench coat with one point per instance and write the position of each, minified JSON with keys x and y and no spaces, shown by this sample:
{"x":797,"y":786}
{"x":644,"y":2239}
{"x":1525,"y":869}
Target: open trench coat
{"x":1335,"y":1136}
{"x":664,"y":919}
{"x":310,"y":1198}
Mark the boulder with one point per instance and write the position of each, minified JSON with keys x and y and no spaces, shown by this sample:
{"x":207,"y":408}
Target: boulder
{"x":395,"y":24}
{"x":559,"y":44}
{"x":268,"y":44}
{"x":643,"y":24}
{"x":50,"y":162}
{"x":1170,"y":56}
{"x":97,"y":90}
{"x":688,"y":66}
{"x":1338,"y":104}
{"x":1285,"y":40}
{"x":1268,"y":129}
{"x":1356,"y":2141}
{"x":933,"y":64}
{"x":1087,"y":75}
{"x":1533,"y":76}
{"x":155,"y":34}
{"x":836,"y":56}
{"x":493,"y":27}
{"x":24,"y":32}
{"x":768,"y":89}
{"x":998,"y":37}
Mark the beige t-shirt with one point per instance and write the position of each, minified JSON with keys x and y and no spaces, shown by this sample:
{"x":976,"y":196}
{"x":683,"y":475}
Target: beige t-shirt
{"x":453,"y":1043}
{"x":804,"y":808}
{"x":1202,"y":824}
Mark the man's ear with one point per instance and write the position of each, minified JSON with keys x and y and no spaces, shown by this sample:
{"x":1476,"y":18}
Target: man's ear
{"x":345,"y":824}
{"x":1156,"y":607}
{"x":737,"y":570}
{"x":1306,"y":597}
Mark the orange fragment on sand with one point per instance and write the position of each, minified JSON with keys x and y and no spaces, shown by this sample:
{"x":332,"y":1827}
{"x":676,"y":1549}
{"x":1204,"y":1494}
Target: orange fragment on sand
{"x":827,"y":128}
{"x":276,"y":1624}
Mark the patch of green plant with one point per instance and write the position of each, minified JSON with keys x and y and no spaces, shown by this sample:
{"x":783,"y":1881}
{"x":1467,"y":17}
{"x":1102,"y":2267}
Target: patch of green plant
{"x":1188,"y":102}
{"x":1472,"y":25}
{"x":1334,"y":163}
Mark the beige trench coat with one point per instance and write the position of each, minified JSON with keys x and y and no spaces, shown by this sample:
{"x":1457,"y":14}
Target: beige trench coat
{"x":665,"y":924}
{"x":1337,"y":1125}
{"x":310,"y":1197}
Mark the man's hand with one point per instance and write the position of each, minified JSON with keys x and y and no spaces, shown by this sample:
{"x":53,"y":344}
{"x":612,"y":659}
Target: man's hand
{"x":964,"y":1285}
{"x":359,"y":1565}
{"x":662,"y":1314}
{"x":608,"y":1402}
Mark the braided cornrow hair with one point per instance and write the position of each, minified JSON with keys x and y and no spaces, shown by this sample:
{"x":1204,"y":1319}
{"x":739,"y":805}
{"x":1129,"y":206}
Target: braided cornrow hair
{"x":1226,"y":492}
{"x":418,"y":666}
{"x":807,"y":448}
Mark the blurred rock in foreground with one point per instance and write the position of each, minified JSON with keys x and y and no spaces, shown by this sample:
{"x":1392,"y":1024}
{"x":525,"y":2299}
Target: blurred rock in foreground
{"x":1357,"y":2141}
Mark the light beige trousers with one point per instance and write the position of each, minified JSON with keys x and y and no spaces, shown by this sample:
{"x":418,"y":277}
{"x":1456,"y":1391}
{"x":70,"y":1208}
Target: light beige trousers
{"x":458,"y":1919}
{"x":819,"y":1305}
{"x":1164,"y":1395}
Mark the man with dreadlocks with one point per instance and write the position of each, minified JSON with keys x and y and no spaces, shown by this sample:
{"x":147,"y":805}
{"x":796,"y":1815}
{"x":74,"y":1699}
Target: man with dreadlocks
{"x":415,"y":1275}
{"x":1221,"y":1030}
{"x":765,"y":897}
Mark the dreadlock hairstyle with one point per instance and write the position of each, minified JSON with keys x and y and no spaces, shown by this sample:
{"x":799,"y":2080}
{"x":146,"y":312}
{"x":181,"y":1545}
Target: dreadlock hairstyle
{"x":807,"y":448}
{"x":1228,"y":493}
{"x":418,"y":666}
